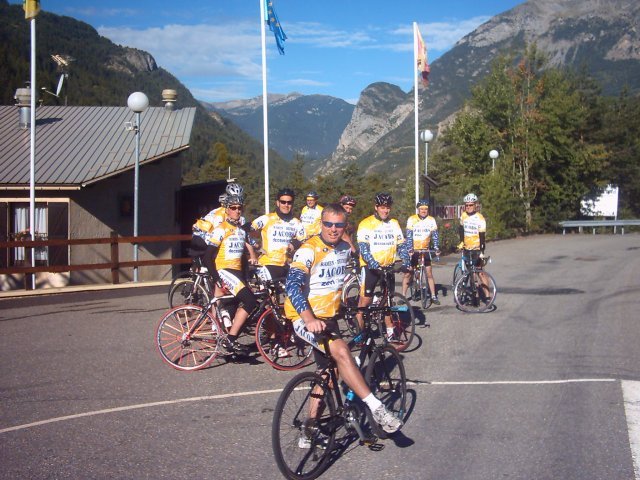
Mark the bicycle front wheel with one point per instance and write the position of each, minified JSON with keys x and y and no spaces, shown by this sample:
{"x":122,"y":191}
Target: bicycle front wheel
{"x":182,"y":348}
{"x":279,"y":345}
{"x":304,"y":427}
{"x":475,"y":292}
{"x":425,"y":293}
{"x":457,"y":273}
{"x":403,"y":320}
{"x":187,"y":291}
{"x":386,"y":377}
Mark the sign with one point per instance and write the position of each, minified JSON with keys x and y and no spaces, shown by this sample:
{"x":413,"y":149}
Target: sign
{"x":606,"y":205}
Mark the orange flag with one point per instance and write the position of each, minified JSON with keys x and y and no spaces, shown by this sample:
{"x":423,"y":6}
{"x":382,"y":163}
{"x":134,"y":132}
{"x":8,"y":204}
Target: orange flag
{"x":423,"y":63}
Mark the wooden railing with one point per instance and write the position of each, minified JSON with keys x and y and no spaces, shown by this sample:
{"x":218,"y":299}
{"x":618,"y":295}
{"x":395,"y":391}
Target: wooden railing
{"x":114,"y":264}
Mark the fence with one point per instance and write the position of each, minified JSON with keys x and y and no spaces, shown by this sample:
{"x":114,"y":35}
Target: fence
{"x":114,"y":264}
{"x":580,"y":224}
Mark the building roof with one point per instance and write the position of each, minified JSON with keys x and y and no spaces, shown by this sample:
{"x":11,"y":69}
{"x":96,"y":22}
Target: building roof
{"x":77,"y":146}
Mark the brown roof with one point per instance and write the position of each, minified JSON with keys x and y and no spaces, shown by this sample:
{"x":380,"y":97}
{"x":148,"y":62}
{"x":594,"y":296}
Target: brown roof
{"x":77,"y":146}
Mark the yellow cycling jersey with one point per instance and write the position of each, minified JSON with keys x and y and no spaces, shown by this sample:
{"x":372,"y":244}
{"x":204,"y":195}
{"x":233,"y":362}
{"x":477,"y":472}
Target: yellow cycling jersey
{"x":276,"y":235}
{"x":325,"y":266}
{"x":383,"y":239}
{"x":310,"y":218}
{"x":230,"y":241}
{"x":204,"y":226}
{"x":472,"y":226}
{"x":422,"y":229}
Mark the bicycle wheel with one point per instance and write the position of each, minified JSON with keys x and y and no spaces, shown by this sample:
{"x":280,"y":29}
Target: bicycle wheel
{"x":279,"y":345}
{"x":386,"y":377}
{"x":304,"y":427}
{"x":425,"y":293}
{"x":179,"y":348}
{"x":188,"y":291}
{"x":403,"y":320}
{"x":351,"y":292}
{"x":457,"y":273}
{"x":472,"y":294}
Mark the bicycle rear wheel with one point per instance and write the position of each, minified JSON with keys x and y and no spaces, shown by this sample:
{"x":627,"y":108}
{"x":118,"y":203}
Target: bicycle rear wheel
{"x":279,"y":345}
{"x":425,"y":293}
{"x":183,"y":350}
{"x":403,"y":320}
{"x":304,"y":427}
{"x":187,"y":291}
{"x":386,"y":377}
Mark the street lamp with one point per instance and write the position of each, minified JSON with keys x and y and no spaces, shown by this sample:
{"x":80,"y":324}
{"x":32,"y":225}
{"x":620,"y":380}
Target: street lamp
{"x":138,"y":103}
{"x":493,"y":154}
{"x":426,"y":136}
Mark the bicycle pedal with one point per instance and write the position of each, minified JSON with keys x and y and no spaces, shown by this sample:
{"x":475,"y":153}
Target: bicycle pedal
{"x":369,"y":440}
{"x":375,"y":447}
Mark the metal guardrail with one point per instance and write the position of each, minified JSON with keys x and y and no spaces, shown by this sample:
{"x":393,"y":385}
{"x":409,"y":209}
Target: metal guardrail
{"x":580,"y":224}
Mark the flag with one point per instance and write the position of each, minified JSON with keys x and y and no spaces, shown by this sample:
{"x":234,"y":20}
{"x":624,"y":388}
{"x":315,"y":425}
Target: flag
{"x":274,"y":25}
{"x":31,"y":8}
{"x":423,"y":62}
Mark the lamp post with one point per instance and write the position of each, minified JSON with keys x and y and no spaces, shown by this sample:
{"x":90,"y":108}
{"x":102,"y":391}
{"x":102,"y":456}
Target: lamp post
{"x":493,"y":154}
{"x":138,"y":103}
{"x":426,"y":136}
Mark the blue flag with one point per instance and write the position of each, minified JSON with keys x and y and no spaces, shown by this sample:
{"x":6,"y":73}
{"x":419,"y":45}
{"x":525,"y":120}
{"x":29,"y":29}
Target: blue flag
{"x":274,"y":26}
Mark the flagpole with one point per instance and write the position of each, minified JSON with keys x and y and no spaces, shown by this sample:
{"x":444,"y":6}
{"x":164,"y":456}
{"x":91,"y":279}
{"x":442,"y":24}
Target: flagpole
{"x":32,"y":161}
{"x":265,"y":122}
{"x":415,"y":101}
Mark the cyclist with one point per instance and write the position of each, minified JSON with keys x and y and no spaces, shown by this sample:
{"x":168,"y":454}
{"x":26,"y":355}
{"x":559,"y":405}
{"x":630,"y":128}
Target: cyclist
{"x":281,"y":234}
{"x":310,"y":215}
{"x":348,"y":203}
{"x":472,"y":231}
{"x":421,"y":229}
{"x":379,"y":239}
{"x":313,"y":290}
{"x":228,"y":241}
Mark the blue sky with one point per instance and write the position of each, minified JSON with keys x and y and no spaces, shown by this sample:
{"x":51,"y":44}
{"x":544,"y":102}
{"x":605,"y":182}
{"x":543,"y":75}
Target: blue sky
{"x":334,"y":47}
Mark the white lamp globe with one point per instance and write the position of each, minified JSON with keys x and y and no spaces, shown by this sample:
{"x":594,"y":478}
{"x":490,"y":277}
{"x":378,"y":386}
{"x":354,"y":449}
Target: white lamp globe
{"x":426,"y":136}
{"x":493,"y":154}
{"x":138,"y":102}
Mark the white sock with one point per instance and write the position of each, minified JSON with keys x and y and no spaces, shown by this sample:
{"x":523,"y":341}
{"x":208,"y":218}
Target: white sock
{"x":372,"y":402}
{"x":389,"y":331}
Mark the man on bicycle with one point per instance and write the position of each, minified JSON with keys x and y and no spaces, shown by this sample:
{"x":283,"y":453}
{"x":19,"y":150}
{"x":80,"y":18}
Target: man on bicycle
{"x":281,"y":234}
{"x":421,"y":229}
{"x":310,"y":215}
{"x":313,"y":286}
{"x":228,"y":242}
{"x":472,"y":231}
{"x":379,"y":239}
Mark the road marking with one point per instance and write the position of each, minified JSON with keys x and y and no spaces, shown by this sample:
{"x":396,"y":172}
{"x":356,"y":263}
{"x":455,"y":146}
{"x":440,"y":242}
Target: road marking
{"x":631,"y":395}
{"x":278,"y":390}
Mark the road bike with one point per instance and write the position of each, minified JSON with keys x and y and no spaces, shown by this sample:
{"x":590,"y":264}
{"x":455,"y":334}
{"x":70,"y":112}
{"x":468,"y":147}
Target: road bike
{"x":475,"y":290}
{"x":194,"y":286}
{"x":419,"y":286}
{"x":191,"y":337}
{"x":312,"y":409}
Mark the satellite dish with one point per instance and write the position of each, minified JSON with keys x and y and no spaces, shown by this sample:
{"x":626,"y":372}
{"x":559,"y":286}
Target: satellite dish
{"x":60,"y":82}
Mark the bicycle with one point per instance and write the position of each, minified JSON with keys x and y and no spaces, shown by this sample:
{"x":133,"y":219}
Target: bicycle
{"x":351,"y":288}
{"x":311,"y":410}
{"x":419,"y":286}
{"x":191,"y":337}
{"x":475,"y":290}
{"x":458,"y":270}
{"x":192,"y":287}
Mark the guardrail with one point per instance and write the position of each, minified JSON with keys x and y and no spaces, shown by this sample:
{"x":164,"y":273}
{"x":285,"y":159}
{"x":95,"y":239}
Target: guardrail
{"x":580,"y":224}
{"x":114,"y":264}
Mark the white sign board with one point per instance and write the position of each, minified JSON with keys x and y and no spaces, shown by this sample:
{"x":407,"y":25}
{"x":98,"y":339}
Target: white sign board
{"x":606,"y":205}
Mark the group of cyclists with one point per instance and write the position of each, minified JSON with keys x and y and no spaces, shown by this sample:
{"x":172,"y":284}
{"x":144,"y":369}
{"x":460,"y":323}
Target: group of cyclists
{"x":313,"y":253}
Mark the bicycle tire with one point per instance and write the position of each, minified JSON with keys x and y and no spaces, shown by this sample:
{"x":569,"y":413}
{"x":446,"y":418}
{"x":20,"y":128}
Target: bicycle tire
{"x":291,"y":422}
{"x":467,"y":296}
{"x":184,"y":352}
{"x":351,"y":292}
{"x":187,"y":292}
{"x":387,"y":380}
{"x":457,"y":273}
{"x":403,"y":320}
{"x":272,"y":335}
{"x":425,"y":293}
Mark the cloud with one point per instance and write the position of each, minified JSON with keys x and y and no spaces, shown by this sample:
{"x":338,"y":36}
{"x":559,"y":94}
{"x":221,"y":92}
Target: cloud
{"x":440,"y":36}
{"x":306,"y":82}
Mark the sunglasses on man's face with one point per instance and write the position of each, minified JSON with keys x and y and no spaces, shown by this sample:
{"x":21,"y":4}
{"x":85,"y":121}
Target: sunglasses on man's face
{"x":235,"y":207}
{"x":334,"y":224}
{"x":470,"y":205}
{"x":286,"y":202}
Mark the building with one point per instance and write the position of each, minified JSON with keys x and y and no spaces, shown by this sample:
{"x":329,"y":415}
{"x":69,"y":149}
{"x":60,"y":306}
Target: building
{"x":84,"y":185}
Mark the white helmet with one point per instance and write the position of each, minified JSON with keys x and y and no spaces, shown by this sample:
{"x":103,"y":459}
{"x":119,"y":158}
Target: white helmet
{"x":470,"y":198}
{"x":235,"y":189}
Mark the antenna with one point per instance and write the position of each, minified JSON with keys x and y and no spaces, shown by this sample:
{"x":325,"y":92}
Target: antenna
{"x":63,"y":61}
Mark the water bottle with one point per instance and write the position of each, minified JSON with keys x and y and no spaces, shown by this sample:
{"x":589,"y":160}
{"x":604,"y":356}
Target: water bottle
{"x":226,"y":318}
{"x":357,"y":359}
{"x":350,"y":395}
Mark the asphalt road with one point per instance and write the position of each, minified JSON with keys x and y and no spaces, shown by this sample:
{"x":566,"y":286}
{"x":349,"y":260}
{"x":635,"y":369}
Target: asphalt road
{"x":532,"y":390}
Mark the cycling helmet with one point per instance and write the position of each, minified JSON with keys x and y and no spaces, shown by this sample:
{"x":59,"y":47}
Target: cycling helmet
{"x":286,"y":191}
{"x":234,"y":200}
{"x":222,"y":198}
{"x":470,"y":198}
{"x":423,"y":202}
{"x":347,"y":200}
{"x":312,"y":194}
{"x":235,"y":189}
{"x":384,"y":199}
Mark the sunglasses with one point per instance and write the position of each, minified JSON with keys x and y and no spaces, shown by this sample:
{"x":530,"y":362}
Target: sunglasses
{"x":235,"y":207}
{"x":286,"y":202}
{"x":469,"y":204}
{"x":334,"y":224}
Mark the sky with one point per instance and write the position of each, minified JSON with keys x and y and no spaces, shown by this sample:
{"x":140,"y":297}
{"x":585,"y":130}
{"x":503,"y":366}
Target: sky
{"x":334,"y":47}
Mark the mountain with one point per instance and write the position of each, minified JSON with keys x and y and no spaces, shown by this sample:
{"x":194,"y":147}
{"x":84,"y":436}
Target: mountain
{"x":310,"y":125}
{"x":598,"y":37}
{"x":104,"y":73}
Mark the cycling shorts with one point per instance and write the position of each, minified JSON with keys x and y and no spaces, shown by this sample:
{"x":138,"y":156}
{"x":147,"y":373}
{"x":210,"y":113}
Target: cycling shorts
{"x":332,"y":332}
